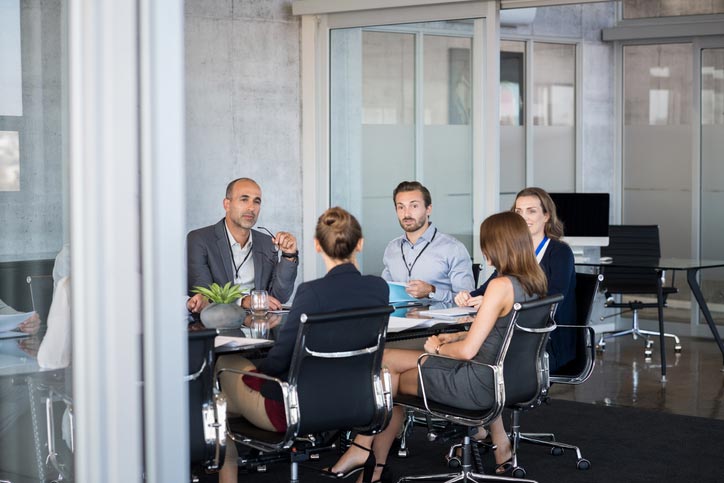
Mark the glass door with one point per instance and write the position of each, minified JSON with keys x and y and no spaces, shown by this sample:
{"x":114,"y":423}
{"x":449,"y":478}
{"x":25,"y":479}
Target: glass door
{"x":401,"y":109}
{"x":712,"y":174}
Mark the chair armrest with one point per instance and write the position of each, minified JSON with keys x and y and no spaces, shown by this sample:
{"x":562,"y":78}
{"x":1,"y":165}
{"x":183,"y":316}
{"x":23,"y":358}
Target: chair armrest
{"x":497,"y":383}
{"x":588,"y":370}
{"x":289,"y":398}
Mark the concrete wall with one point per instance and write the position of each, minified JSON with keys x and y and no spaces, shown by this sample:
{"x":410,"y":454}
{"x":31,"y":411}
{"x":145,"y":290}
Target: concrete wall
{"x":243,"y":115}
{"x":32,"y":218}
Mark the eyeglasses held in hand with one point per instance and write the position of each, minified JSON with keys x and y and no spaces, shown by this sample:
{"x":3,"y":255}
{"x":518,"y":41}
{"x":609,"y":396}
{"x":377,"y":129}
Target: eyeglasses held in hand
{"x":276,"y":247}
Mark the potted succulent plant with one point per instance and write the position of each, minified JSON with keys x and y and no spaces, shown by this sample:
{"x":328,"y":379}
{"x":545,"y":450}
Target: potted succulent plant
{"x":223,"y":310}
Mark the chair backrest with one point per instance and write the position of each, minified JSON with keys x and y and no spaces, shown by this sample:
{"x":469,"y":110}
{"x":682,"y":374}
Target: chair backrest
{"x":631,"y":242}
{"x":580,"y":368}
{"x":336,"y":370}
{"x":524,"y":367}
{"x":201,"y":393}
{"x":41,"y":293}
{"x":476,"y":273}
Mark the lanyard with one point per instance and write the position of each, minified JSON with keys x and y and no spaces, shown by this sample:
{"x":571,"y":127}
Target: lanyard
{"x":541,"y":245}
{"x":409,"y":269}
{"x":231,"y":252}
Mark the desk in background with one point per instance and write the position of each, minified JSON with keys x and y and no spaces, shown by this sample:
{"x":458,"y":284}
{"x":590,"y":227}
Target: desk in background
{"x":692,"y":268}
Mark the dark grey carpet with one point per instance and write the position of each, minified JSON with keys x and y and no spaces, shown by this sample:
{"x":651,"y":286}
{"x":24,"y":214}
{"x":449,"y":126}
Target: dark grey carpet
{"x":623,"y":445}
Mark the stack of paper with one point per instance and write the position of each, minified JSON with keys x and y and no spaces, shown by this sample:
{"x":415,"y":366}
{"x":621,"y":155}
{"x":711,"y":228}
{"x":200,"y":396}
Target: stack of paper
{"x":452,"y":312}
{"x":10,"y":322}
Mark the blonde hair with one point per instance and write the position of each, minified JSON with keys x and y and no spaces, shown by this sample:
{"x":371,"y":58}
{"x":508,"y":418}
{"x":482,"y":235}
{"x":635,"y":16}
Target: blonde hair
{"x":338,"y":233}
{"x":506,"y":241}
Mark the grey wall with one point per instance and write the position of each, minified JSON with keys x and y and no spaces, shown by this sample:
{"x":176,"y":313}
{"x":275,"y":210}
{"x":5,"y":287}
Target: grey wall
{"x":243,"y":114}
{"x":32,"y":218}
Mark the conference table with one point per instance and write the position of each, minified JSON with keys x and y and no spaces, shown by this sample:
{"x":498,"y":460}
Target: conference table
{"x":254,"y":335}
{"x":691,"y":266}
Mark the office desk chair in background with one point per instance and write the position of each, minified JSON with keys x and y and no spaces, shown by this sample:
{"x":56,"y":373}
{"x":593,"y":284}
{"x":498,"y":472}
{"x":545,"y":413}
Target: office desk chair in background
{"x":41,"y":294}
{"x":336,"y":382}
{"x":521,"y":362}
{"x":637,"y":243}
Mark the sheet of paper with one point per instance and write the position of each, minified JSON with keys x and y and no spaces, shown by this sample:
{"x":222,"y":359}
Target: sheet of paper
{"x":398,"y":294}
{"x":398,"y":324}
{"x":11,"y":321}
{"x":240,"y":341}
{"x":452,"y":312}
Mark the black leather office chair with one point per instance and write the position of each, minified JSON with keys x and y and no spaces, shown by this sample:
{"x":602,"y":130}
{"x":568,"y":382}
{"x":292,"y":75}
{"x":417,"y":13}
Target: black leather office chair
{"x":476,"y":273}
{"x":639,"y":243}
{"x":336,"y":382}
{"x":520,"y":363}
{"x":207,"y":406}
{"x":578,"y":370}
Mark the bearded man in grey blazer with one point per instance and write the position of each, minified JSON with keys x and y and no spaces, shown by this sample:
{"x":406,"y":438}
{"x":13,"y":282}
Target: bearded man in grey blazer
{"x":230,"y":251}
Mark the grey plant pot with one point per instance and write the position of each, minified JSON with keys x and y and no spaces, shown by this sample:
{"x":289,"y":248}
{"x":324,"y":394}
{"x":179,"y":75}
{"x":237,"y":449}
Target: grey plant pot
{"x":219,"y":316}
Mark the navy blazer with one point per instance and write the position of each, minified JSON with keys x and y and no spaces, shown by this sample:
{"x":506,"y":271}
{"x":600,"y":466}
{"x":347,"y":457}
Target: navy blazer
{"x":558,"y":265}
{"x":343,"y":287}
{"x":209,"y":260}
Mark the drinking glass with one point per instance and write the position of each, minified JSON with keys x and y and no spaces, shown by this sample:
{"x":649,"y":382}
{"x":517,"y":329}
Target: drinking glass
{"x":259,"y":302}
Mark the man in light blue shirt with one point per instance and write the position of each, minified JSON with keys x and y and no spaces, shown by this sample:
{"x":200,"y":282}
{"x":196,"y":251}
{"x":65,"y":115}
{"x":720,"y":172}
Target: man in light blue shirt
{"x":434,"y":265}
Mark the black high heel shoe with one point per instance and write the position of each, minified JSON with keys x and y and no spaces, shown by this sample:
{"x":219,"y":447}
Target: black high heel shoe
{"x":368,"y":466}
{"x":385,"y":476}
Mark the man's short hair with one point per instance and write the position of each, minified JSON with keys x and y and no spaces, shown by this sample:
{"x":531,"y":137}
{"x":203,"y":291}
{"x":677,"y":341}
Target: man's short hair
{"x":412,"y":186}
{"x":230,"y":186}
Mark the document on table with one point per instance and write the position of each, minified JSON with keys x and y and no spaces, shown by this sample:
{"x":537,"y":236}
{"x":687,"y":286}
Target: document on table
{"x":11,"y":321}
{"x":452,"y":312}
{"x":398,"y":324}
{"x":398,"y":293}
{"x":244,"y":342}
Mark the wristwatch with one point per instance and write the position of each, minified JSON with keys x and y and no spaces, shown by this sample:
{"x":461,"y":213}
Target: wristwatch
{"x":432,"y":293}
{"x":291,"y":256}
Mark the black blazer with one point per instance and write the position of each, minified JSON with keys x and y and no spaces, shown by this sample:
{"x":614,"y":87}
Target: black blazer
{"x":343,"y":287}
{"x":209,"y":260}
{"x":558,"y":265}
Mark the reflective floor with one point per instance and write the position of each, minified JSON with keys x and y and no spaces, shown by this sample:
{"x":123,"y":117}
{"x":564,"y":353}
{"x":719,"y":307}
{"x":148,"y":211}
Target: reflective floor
{"x":622,"y":377}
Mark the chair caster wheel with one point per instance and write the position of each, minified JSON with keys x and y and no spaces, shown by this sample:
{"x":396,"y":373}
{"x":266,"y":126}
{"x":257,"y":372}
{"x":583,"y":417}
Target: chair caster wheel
{"x":677,"y":349}
{"x":557,"y":451}
{"x":648,"y":353}
{"x":519,"y":472}
{"x":583,"y":464}
{"x":454,"y":463}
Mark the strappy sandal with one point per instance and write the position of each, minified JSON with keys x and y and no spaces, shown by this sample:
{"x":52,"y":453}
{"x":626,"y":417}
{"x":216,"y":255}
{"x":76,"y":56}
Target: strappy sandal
{"x":505,"y":468}
{"x":340,"y":475}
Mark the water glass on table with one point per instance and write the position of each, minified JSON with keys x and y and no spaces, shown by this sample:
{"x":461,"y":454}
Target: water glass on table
{"x":259,"y":302}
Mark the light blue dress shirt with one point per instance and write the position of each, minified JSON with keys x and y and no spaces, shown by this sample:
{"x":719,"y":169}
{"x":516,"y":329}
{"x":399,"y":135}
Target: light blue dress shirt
{"x":445,"y":263}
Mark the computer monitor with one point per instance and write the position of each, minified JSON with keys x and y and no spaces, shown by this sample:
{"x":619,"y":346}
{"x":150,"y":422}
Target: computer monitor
{"x":584,"y":217}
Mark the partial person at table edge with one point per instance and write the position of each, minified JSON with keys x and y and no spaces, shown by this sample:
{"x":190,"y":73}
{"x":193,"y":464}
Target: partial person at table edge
{"x":338,"y":239}
{"x":434,"y":265}
{"x":231,"y":251}
{"x":556,"y":259}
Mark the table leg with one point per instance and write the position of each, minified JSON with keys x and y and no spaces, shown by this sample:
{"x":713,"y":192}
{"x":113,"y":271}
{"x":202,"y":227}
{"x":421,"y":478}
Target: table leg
{"x":662,"y":339}
{"x":696,"y":290}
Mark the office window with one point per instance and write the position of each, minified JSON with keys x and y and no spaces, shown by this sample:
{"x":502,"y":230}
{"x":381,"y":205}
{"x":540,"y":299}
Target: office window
{"x":9,"y":161}
{"x":512,"y":119}
{"x":669,"y":8}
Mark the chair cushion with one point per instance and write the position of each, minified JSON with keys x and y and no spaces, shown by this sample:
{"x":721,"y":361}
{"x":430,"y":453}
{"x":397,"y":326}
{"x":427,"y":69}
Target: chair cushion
{"x":416,"y":402}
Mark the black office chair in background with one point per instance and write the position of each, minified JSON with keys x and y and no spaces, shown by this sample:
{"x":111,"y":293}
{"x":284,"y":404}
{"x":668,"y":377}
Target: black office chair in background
{"x":336,"y":382}
{"x":637,"y":243}
{"x":521,"y":362}
{"x":578,"y":370}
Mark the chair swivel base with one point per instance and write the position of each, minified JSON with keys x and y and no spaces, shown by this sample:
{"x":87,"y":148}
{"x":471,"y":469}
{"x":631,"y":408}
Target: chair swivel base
{"x":637,"y":332}
{"x":557,"y":448}
{"x":467,"y":473}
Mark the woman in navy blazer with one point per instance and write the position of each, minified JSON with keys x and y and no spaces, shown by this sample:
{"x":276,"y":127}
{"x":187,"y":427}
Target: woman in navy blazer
{"x":556,"y":259}
{"x":338,"y":238}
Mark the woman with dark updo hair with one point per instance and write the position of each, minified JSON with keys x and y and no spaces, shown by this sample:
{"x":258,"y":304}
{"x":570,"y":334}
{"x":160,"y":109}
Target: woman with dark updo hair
{"x":337,"y":238}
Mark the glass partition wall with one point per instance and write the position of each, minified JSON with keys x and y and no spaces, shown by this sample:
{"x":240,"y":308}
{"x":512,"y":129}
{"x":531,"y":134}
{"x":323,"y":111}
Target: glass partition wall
{"x":401,"y":109}
{"x":34,"y":217}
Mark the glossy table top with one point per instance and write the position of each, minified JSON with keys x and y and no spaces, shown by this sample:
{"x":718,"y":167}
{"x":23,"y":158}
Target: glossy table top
{"x":659,"y":263}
